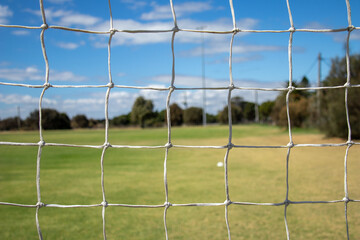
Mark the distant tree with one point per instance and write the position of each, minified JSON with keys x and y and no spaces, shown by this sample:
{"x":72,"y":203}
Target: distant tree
{"x":238,"y":101}
{"x":249,"y":111}
{"x":298,"y":106}
{"x":193,"y":116}
{"x":236,"y":113}
{"x":11,"y":123}
{"x":211,"y":118}
{"x":94,"y":123}
{"x":51,"y":119}
{"x":142,"y":110}
{"x":265,"y":110}
{"x":79,"y":121}
{"x":122,"y":120}
{"x":333,"y":121}
{"x":161,"y":117}
{"x":176,"y":115}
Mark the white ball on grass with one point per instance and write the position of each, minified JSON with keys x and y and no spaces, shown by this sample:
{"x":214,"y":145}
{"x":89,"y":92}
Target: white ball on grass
{"x":220,"y":164}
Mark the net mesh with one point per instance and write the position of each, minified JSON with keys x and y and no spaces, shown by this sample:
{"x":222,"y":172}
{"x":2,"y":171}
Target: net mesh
{"x":227,"y":202}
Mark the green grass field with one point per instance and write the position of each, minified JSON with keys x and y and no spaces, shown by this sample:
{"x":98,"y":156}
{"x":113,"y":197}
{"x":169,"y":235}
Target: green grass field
{"x":135,"y":176}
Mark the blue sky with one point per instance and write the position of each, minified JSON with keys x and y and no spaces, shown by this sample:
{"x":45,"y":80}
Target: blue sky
{"x":259,"y":59}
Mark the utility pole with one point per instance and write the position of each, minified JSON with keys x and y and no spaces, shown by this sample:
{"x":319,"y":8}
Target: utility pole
{"x":203,"y":76}
{"x":18,"y":117}
{"x":318,"y":96}
{"x":256,"y":107}
{"x":185,"y":100}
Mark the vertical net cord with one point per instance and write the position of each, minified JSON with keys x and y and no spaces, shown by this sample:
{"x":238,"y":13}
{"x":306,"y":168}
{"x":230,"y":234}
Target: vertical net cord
{"x":39,"y":204}
{"x":168,"y":145}
{"x":106,"y":144}
{"x":287,"y":202}
{"x":346,"y":198}
{"x":290,"y":89}
{"x":231,"y":87}
{"x":347,"y":84}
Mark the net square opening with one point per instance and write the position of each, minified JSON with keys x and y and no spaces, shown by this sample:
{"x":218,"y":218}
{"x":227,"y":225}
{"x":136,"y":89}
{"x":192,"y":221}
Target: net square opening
{"x":134,"y":176}
{"x":257,"y":175}
{"x":70,"y":176}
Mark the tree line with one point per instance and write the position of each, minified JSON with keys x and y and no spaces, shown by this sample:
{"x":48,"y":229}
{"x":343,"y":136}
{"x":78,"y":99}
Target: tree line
{"x":324,"y":110}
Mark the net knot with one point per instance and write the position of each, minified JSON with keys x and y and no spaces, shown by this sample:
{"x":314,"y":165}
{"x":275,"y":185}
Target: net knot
{"x":110,"y":85}
{"x":287,"y":202}
{"x":175,"y":29}
{"x":291,"y":88}
{"x":236,"y":30}
{"x":347,"y":85}
{"x":172,"y":88}
{"x":227,"y":202}
{"x":350,"y":143}
{"x":41,"y":143}
{"x":112,"y":31}
{"x":168,"y":145}
{"x":104,"y":203}
{"x":290,"y":145}
{"x":292,"y":29}
{"x":167,"y":204}
{"x":40,"y":204}
{"x":231,"y":86}
{"x":230,"y":146}
{"x":44,"y":26}
{"x":351,"y":28}
{"x":107,"y":145}
{"x":47,"y":85}
{"x":346,"y":199}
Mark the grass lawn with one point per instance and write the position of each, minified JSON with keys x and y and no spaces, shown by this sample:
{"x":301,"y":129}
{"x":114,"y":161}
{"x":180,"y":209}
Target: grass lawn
{"x":136,"y":176}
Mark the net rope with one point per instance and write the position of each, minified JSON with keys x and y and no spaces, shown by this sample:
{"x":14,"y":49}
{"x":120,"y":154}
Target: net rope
{"x":229,"y":146}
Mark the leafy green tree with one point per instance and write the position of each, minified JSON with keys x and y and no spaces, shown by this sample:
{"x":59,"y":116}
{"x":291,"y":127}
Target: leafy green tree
{"x":79,"y":121}
{"x":193,"y":116}
{"x":265,"y":110}
{"x":11,"y":123}
{"x":211,"y":118}
{"x":176,"y":115}
{"x":333,"y":121}
{"x":249,"y":111}
{"x":236,"y":114}
{"x":122,"y":120}
{"x":141,"y":111}
{"x":299,"y":106}
{"x":51,"y":119}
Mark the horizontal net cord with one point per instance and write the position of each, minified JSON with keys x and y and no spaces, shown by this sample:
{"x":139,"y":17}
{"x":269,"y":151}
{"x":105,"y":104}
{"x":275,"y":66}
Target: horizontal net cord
{"x":178,"y":146}
{"x":177,"y":29}
{"x":53,"y":205}
{"x":346,"y":85}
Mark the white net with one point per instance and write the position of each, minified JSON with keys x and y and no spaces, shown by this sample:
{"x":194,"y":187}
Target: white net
{"x":230,"y":88}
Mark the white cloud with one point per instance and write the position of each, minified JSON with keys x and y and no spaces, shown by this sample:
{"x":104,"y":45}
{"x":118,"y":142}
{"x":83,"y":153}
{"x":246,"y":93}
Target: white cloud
{"x":34,"y":74}
{"x":67,"y":18}
{"x":196,"y":82}
{"x":134,"y":5}
{"x":5,"y":13}
{"x":24,"y":99}
{"x":65,"y":76}
{"x":164,"y":11}
{"x":70,"y":45}
{"x":21,"y":32}
{"x":20,"y":75}
{"x":217,"y":48}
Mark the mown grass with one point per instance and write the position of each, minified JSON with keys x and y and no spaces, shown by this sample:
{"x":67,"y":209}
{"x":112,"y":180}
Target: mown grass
{"x":135,"y":176}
